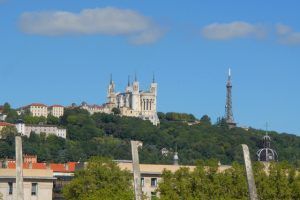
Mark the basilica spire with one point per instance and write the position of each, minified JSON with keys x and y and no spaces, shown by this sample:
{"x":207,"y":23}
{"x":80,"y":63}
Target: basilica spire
{"x":135,"y":77}
{"x":153,"y":78}
{"x":111,"y":79}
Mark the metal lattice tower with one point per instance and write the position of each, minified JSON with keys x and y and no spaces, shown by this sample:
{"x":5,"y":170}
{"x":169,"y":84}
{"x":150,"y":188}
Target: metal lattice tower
{"x":228,"y":107}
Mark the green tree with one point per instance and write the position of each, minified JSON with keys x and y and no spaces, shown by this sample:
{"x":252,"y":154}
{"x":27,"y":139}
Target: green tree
{"x":29,"y":119}
{"x":116,"y":111}
{"x":102,"y":179}
{"x":11,"y":114}
{"x":6,"y":108}
{"x":205,"y":120}
{"x":9,"y":131}
{"x":52,"y":120}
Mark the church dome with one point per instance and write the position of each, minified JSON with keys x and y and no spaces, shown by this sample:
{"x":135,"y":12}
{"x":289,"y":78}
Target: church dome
{"x":266,"y":153}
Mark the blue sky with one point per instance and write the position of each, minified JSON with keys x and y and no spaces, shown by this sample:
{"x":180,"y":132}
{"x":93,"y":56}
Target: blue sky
{"x":59,"y":52}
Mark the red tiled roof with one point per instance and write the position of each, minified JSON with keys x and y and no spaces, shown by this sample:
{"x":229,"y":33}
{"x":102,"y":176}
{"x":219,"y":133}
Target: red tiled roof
{"x":37,"y":104}
{"x":62,"y":167}
{"x":56,"y":167}
{"x":56,"y":105}
{"x":6,"y":124}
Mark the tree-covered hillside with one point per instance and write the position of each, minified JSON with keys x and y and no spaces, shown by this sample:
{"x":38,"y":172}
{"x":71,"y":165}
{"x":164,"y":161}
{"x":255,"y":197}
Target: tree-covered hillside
{"x":109,"y":135}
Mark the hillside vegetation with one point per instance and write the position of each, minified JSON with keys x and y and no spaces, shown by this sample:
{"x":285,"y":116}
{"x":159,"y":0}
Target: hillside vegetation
{"x":109,"y":135}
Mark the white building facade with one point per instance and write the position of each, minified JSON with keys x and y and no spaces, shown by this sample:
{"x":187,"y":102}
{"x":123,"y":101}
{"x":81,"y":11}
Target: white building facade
{"x":38,"y":129}
{"x":38,"y":184}
{"x":37,"y":109}
{"x":94,"y":108}
{"x":134,"y":102}
{"x":56,"y":110}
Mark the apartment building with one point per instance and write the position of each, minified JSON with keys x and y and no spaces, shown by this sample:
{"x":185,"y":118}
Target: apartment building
{"x":56,"y":110}
{"x":26,"y":129}
{"x":38,"y":183}
{"x":42,"y":110}
{"x":37,"y":109}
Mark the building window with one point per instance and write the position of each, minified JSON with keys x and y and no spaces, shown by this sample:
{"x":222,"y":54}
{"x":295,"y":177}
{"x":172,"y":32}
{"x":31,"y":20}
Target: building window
{"x":10,"y":188}
{"x":153,"y":182}
{"x":34,"y":189}
{"x":142,"y":182}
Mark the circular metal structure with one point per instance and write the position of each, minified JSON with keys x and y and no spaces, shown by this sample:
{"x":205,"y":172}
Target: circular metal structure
{"x":267,"y":154}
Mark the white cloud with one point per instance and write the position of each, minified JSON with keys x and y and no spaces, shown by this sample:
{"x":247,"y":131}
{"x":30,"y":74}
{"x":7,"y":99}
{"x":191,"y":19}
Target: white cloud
{"x":287,"y":35}
{"x":104,"y":21}
{"x":237,"y":29}
{"x":282,"y":29}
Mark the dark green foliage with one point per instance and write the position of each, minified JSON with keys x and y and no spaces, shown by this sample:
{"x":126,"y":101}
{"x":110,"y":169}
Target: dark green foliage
{"x":207,"y":183}
{"x":52,"y":120}
{"x":28,"y":119}
{"x":172,"y":116}
{"x":116,"y":111}
{"x":11,"y":113}
{"x":109,"y":135}
{"x":205,"y":120}
{"x":102,"y":179}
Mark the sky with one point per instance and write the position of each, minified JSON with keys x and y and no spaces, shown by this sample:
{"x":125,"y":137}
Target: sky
{"x":63,"y":51}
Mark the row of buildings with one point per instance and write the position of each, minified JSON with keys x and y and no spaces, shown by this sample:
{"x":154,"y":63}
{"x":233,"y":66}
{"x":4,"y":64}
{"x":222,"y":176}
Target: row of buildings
{"x":27,"y":129}
{"x":132,"y":102}
{"x":42,"y":110}
{"x":44,"y":181}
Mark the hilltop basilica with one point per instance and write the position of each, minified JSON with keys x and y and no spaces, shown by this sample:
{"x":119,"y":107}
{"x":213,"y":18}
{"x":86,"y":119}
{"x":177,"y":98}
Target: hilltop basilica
{"x":134,"y":102}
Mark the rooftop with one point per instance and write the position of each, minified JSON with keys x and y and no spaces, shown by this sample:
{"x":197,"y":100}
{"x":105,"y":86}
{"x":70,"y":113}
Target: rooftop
{"x":55,"y":167}
{"x":6,"y":124}
{"x":37,"y":104}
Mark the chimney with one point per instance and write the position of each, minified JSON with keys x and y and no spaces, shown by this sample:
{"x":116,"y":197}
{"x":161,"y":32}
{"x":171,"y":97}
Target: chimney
{"x":67,"y":166}
{"x":30,"y":165}
{"x":48,"y":165}
{"x":176,"y":158}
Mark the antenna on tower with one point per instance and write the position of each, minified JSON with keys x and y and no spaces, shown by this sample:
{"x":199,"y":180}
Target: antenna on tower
{"x":128,"y":84}
{"x":111,"y":81}
{"x":135,"y":77}
{"x":153,"y":78}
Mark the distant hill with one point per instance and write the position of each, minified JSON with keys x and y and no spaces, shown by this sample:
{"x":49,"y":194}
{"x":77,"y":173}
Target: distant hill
{"x":109,"y":135}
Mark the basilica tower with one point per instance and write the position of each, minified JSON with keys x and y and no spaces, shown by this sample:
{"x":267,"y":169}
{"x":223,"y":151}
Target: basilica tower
{"x":111,"y":95}
{"x":135,"y":95}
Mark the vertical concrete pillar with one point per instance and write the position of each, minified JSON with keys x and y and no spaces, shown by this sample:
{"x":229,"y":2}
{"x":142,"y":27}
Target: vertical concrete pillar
{"x":249,"y":173}
{"x":136,"y":169}
{"x":19,"y":169}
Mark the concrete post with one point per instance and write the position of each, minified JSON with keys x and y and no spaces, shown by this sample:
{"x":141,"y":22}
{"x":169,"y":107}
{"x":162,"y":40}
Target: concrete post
{"x":136,"y":169}
{"x":19,"y":169}
{"x":249,"y":173}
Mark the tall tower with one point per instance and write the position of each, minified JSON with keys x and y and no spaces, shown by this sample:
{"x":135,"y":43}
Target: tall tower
{"x":111,"y":96}
{"x":153,"y":86}
{"x":228,"y":107}
{"x":135,"y":95}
